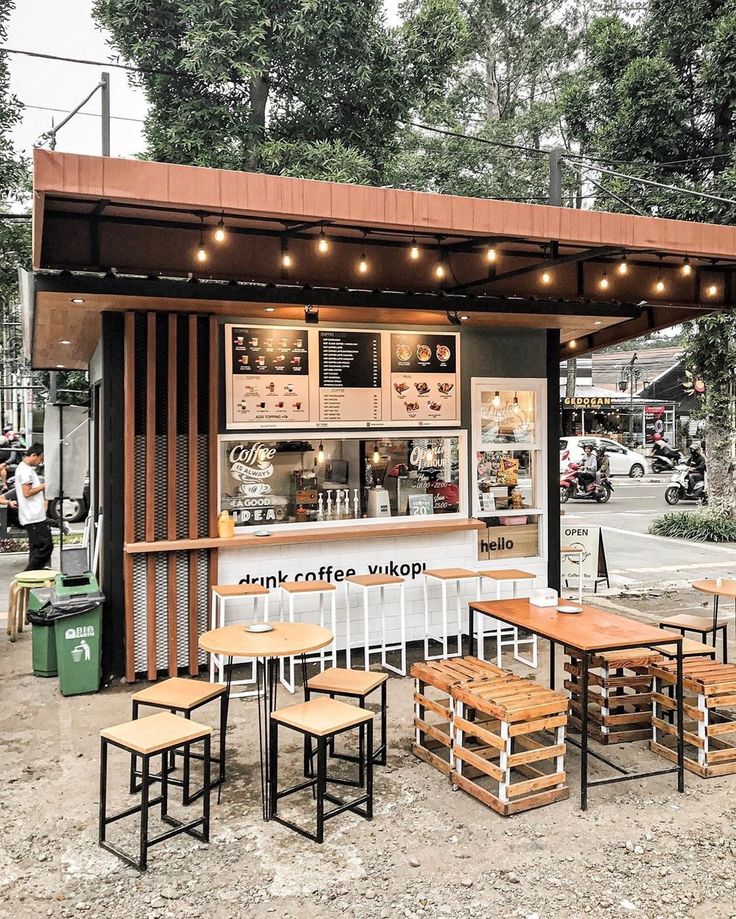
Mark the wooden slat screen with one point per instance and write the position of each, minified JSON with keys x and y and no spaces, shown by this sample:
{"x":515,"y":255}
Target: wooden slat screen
{"x":170,"y":433}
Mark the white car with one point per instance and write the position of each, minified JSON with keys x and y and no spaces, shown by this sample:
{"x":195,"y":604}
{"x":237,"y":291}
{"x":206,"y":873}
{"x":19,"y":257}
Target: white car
{"x":623,"y":461}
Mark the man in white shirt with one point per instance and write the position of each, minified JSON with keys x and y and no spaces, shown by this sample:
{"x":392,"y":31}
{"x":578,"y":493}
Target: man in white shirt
{"x":32,"y":509}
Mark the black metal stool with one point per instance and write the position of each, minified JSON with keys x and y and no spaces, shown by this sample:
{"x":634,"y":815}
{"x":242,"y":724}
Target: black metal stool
{"x":701,"y":626}
{"x":179,"y":695}
{"x":146,"y":738}
{"x":322,"y":720}
{"x":353,"y":684}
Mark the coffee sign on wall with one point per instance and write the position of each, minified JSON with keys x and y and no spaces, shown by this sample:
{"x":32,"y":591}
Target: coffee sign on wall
{"x":250,"y":469}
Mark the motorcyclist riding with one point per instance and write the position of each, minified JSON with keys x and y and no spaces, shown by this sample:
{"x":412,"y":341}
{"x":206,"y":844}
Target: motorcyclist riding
{"x":696,"y":465}
{"x":660,"y":447}
{"x":589,"y":468}
{"x":604,"y":465}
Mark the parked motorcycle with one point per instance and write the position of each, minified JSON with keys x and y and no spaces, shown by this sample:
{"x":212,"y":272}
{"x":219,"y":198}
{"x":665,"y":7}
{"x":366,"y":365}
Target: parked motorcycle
{"x":600,"y":490}
{"x":677,"y":491}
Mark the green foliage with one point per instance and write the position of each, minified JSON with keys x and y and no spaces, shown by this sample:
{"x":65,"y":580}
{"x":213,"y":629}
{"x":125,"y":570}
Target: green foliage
{"x":701,"y":525}
{"x":271,"y":84}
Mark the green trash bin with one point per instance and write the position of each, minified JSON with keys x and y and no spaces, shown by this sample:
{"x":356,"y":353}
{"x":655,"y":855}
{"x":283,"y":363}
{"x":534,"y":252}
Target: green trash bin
{"x":43,"y":640}
{"x":77,"y":613}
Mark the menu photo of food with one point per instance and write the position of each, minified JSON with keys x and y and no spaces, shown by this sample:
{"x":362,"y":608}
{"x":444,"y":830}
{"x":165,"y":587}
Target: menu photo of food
{"x":424,"y":377}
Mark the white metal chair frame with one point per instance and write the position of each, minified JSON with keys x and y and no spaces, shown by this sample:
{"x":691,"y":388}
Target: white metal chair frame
{"x":330,"y":652}
{"x":217,"y":621}
{"x":506,"y":636}
{"x":443,"y":639}
{"x":381,"y":648}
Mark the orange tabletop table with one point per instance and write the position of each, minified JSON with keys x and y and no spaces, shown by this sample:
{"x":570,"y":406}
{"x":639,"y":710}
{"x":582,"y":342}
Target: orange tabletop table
{"x":284,"y":639}
{"x":590,"y":632}
{"x":717,"y":588}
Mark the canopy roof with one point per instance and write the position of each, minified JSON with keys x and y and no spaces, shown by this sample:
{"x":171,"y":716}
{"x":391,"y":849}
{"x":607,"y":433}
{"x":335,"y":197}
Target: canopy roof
{"x":123,"y":234}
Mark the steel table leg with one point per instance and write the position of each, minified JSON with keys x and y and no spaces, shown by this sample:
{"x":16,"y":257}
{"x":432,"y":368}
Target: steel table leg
{"x":680,"y":723}
{"x":584,"y":734}
{"x":224,"y":716}
{"x":552,"y":649}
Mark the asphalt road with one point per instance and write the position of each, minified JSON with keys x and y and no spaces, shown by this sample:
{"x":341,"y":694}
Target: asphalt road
{"x":636,"y":557}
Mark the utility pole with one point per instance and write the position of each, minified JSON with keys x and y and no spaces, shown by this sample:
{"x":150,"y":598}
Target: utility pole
{"x":555,"y":179}
{"x":629,"y":377}
{"x":105,"y":112}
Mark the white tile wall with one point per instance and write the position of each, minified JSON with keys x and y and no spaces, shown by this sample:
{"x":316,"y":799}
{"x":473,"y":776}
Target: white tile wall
{"x":332,"y":561}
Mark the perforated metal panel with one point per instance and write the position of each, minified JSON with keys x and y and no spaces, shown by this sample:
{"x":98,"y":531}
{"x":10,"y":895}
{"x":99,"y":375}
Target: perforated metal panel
{"x":203,"y":599}
{"x":182,"y":487}
{"x":140,"y":488}
{"x":182,"y":609}
{"x":202,"y":486}
{"x":140,"y":625}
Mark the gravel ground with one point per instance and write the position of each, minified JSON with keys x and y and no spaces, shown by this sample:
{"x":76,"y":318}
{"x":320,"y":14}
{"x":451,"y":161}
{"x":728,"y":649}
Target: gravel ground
{"x":641,"y":850}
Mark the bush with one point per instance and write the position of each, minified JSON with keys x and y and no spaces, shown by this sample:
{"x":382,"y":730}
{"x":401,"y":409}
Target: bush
{"x":702,"y":526}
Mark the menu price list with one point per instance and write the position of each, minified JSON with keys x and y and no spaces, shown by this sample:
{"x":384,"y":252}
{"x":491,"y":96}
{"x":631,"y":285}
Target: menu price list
{"x":270,"y":382}
{"x":350,"y":376}
{"x":423,"y":377}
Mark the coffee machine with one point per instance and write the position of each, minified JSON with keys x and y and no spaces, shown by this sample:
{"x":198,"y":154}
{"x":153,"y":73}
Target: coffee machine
{"x":379,"y":504}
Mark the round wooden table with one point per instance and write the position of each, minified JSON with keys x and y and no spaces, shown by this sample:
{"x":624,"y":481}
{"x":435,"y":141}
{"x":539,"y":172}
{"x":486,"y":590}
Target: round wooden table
{"x":285,"y":639}
{"x":717,"y":588}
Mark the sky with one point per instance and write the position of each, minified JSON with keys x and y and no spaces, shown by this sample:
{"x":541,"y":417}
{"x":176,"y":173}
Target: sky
{"x":66,"y":28}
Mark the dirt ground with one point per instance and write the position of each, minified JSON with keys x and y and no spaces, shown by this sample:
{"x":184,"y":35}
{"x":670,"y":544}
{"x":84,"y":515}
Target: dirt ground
{"x":641,"y":849}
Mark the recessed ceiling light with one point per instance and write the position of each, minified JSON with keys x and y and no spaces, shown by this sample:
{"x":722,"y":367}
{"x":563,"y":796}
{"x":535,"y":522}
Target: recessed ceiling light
{"x":77,"y":300}
{"x":269,"y":309}
{"x":64,"y":341}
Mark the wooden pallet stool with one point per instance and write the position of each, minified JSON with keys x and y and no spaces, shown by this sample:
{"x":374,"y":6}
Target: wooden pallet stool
{"x":157,"y":735}
{"x":517,"y":758}
{"x":619,"y":694}
{"x":433,"y":738}
{"x":710,"y":715}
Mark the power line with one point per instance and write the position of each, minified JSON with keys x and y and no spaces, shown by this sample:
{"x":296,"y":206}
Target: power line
{"x":77,"y":60}
{"x":481,"y":140}
{"x":61,"y":111}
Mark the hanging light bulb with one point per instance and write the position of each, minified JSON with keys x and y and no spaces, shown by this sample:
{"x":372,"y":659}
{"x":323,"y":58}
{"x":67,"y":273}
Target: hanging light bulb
{"x":321,"y":453}
{"x":603,"y":283}
{"x":286,"y":260}
{"x":323,"y":245}
{"x":376,"y":453}
{"x":497,"y":399}
{"x":515,"y":407}
{"x":712,"y":290}
{"x":414,"y":251}
{"x":572,"y":344}
{"x":660,"y":285}
{"x":439,"y":271}
{"x":546,"y":277}
{"x":491,"y":254}
{"x":623,"y":265}
{"x":686,"y":267}
{"x":429,"y":458}
{"x":220,"y":233}
{"x":201,"y":254}
{"x":363,"y":264}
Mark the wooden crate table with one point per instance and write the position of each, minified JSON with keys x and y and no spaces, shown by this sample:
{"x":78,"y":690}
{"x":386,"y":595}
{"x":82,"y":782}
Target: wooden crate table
{"x":433,"y":705}
{"x":620,"y":694}
{"x":509,"y":743}
{"x":589,"y":633}
{"x":710,"y":715}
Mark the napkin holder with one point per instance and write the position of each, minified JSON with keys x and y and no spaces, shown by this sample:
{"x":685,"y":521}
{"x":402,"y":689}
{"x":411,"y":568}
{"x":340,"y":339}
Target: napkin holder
{"x":544,"y":596}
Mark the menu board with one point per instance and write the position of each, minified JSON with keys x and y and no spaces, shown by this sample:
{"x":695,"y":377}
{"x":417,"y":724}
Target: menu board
{"x":350,"y":376}
{"x":299,"y":378}
{"x":424,"y":379}
{"x":270,"y":376}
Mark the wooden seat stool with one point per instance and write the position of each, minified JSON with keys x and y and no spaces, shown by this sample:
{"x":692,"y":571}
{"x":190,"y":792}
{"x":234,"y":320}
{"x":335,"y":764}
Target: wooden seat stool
{"x":321,"y":589}
{"x":690,"y":648}
{"x":322,"y":720}
{"x":222,"y":594}
{"x":520,"y":725}
{"x":701,"y":626}
{"x":619,"y":694}
{"x":353,"y":684}
{"x":433,"y":738}
{"x":444,"y":577}
{"x":368,"y":583}
{"x":20,"y":587}
{"x":157,"y":735}
{"x":709,"y":700}
{"x":181,"y":696}
{"x":507,"y":636}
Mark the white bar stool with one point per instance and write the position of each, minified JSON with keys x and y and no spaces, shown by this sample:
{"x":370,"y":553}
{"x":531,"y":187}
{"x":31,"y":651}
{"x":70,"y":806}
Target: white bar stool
{"x":579,"y":552}
{"x":376,"y":583}
{"x":507,"y":636}
{"x":445,"y":576}
{"x":221,"y":595}
{"x":321,"y":589}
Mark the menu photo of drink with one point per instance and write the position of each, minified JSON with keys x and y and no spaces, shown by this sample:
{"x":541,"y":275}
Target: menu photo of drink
{"x":267,"y":373}
{"x":425,"y":378}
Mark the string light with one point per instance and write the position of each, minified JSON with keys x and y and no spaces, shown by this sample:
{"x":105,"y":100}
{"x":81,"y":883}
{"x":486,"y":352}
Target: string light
{"x":546,"y":277}
{"x":712,"y":290}
{"x":497,"y":399}
{"x":323,"y":244}
{"x":603,"y":283}
{"x":439,"y":269}
{"x":363,"y":264}
{"x":376,"y":453}
{"x":686,"y":267}
{"x":623,"y":265}
{"x":572,"y":344}
{"x":201,"y":250}
{"x":515,"y":407}
{"x":220,"y":233}
{"x":660,"y":284}
{"x":414,"y":251}
{"x":491,"y":254}
{"x":286,"y":260}
{"x":321,"y":453}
